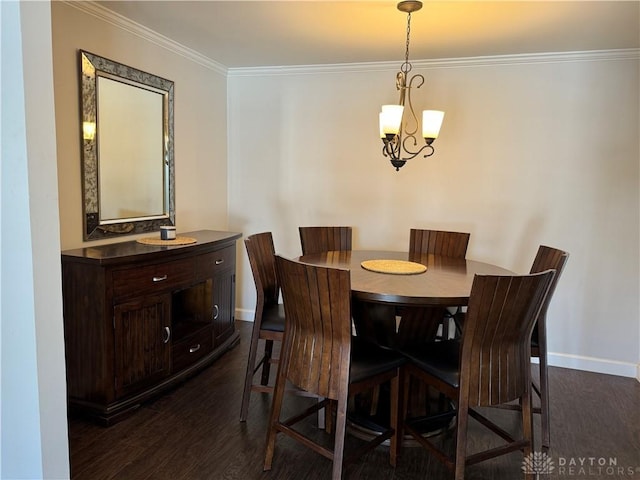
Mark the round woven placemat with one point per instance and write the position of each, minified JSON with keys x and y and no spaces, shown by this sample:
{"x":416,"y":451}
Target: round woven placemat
{"x":159,"y":241}
{"x":397,"y":267}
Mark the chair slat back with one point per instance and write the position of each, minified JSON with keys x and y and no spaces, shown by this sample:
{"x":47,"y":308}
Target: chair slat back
{"x":438,"y":242}
{"x":495,"y":362}
{"x":548,"y":258}
{"x":317,"y":339}
{"x":261,"y":253}
{"x":324,"y":239}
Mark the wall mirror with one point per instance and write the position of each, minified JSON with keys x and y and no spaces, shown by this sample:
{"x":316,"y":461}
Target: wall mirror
{"x":127,"y":149}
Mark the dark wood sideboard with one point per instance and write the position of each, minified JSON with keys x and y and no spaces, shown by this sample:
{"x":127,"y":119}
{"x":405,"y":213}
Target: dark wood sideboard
{"x":139,"y":319}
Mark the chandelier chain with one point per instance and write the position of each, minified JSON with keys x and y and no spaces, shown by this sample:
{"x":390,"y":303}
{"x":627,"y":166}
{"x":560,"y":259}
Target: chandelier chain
{"x":406,"y":66}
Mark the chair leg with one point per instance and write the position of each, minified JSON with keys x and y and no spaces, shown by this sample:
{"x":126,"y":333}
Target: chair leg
{"x":527,"y":426}
{"x":545,"y":420}
{"x":266,"y":365}
{"x":445,"y":327}
{"x":403,"y":406}
{"x":462,"y":423}
{"x":248,"y":378}
{"x":274,"y":419}
{"x":458,"y":318}
{"x":326,"y":416}
{"x":375,"y":398}
{"x":527,"y":421}
{"x":340,"y":427}
{"x":396,"y":419}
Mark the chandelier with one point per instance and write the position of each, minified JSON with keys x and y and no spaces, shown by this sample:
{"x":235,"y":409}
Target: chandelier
{"x":398,"y":127}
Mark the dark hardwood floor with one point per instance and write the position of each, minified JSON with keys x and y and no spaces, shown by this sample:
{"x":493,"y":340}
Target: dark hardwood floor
{"x":193,"y":432}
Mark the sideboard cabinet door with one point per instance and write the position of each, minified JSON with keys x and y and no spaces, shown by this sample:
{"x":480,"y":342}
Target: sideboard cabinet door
{"x":142,"y":334}
{"x":223,"y":305}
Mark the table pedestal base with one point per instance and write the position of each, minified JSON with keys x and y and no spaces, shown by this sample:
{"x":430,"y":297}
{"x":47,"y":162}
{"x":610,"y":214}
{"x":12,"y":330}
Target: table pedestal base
{"x":433,"y":416}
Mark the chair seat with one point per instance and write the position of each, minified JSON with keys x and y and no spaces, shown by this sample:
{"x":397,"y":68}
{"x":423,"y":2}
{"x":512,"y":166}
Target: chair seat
{"x":273,"y":318}
{"x":368,"y":360}
{"x":440,"y":359}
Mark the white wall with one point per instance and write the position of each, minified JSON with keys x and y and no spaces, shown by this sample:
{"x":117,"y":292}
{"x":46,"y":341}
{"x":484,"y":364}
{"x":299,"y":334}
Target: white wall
{"x":200,"y":113}
{"x":33,"y":406}
{"x":533,"y":150}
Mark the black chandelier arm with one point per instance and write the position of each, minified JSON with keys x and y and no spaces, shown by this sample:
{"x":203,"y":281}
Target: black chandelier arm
{"x":430,"y":152}
{"x":412,"y":155}
{"x":393,"y":150}
{"x":389,"y":151}
{"x":407,"y":148}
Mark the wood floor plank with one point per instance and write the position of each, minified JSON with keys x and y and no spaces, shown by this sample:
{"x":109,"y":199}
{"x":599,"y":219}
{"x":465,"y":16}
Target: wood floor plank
{"x":193,"y":432}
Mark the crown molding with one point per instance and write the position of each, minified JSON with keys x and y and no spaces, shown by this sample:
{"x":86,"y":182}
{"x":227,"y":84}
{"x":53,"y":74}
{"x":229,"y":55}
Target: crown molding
{"x":102,"y":13}
{"x":520,"y":59}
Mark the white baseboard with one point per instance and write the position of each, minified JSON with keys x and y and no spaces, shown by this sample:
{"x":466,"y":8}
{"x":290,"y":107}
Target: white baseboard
{"x":564,"y":360}
{"x":591,"y":364}
{"x":245,"y":314}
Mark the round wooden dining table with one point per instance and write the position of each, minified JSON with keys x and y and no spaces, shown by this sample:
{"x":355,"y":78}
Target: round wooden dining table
{"x":445,"y":282}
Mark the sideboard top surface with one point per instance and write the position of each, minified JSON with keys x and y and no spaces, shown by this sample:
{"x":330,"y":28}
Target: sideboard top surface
{"x":120,"y":252}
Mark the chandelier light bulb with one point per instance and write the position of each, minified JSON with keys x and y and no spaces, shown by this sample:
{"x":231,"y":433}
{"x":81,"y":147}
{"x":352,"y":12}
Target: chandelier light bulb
{"x":431,"y":123}
{"x":390,"y":119}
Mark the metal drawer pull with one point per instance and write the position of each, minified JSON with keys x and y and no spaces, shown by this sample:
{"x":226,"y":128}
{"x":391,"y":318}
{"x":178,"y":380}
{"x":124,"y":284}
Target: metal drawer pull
{"x":167,"y":330}
{"x":160,"y":279}
{"x":216,"y":311}
{"x":220,"y":261}
{"x":194,"y":349}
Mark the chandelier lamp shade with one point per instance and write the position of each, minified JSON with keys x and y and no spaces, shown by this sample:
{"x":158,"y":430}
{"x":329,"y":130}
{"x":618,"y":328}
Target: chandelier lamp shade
{"x":399,"y":123}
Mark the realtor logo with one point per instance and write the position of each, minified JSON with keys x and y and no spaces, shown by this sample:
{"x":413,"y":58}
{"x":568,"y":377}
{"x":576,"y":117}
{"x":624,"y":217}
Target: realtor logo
{"x":538,"y":463}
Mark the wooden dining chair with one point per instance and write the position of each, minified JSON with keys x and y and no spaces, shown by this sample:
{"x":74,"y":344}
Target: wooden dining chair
{"x":488,"y":366}
{"x":321,"y":239}
{"x":546,"y":258}
{"x":268,"y":320}
{"x":324,"y":239}
{"x":320,"y":356}
{"x":438,"y":242}
{"x":417,"y":323}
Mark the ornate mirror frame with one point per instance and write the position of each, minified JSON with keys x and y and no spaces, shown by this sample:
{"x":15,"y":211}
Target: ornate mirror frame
{"x":92,"y":69}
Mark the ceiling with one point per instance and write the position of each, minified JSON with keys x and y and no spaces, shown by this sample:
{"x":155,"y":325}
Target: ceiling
{"x":245,"y":33}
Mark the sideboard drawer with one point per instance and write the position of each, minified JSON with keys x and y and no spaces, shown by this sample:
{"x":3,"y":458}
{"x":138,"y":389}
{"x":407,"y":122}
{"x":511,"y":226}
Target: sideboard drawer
{"x":152,"y":278}
{"x":187,"y":351}
{"x":218,"y":260}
